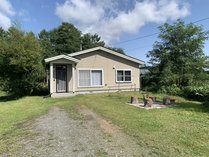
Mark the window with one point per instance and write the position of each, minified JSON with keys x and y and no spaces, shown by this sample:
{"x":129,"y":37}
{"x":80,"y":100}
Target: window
{"x":90,"y":78}
{"x":84,"y":78}
{"x":123,"y":75}
{"x":96,"y":76}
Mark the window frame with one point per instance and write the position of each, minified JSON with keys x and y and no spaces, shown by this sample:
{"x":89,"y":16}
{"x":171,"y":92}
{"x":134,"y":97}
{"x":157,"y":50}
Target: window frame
{"x":116,"y":75}
{"x":91,"y":69}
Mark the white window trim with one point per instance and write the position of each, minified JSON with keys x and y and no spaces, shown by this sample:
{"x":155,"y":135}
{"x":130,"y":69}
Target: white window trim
{"x":116,"y":75}
{"x":91,"y":69}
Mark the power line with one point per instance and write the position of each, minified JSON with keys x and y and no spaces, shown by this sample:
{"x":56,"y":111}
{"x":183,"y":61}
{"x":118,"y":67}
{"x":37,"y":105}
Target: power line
{"x":153,"y":34}
{"x":136,"y":48}
{"x":201,"y":20}
{"x":140,"y":37}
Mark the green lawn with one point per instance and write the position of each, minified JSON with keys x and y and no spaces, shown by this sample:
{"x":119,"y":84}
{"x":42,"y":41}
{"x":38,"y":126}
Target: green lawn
{"x":177,"y":131}
{"x":14,"y":113}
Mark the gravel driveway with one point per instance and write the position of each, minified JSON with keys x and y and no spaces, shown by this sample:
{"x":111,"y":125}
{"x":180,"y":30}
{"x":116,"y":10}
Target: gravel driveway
{"x":58,"y":135}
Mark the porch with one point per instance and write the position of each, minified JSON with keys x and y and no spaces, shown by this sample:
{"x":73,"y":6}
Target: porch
{"x":62,"y":95}
{"x":62,"y":76}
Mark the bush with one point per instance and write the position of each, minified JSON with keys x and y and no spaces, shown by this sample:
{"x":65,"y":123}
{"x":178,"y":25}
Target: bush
{"x":200,"y":93}
{"x":21,"y":67}
{"x":172,"y":90}
{"x":41,"y":90}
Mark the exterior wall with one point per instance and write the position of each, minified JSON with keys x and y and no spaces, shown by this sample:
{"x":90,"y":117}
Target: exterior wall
{"x":69,"y":74}
{"x":109,"y":63}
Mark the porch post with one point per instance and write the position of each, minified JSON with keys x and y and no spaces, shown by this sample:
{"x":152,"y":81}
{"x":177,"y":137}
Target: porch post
{"x":51,"y":77}
{"x":73,"y":77}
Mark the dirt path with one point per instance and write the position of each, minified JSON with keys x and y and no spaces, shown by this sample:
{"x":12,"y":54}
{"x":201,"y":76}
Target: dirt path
{"x":58,"y":135}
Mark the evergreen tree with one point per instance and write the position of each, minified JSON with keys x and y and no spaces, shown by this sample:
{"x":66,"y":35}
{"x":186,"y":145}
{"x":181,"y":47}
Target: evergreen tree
{"x":67,"y":39}
{"x":90,"y":41}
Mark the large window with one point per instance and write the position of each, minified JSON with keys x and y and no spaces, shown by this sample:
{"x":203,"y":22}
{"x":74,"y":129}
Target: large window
{"x":123,"y":76}
{"x":90,"y":78}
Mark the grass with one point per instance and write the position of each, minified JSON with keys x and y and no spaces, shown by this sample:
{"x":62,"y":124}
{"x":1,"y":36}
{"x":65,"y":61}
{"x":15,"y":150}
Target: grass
{"x":14,"y":113}
{"x":177,"y":131}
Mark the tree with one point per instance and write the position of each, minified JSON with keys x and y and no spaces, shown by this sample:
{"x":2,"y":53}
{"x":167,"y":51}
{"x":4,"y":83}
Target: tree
{"x":46,"y":44}
{"x":178,"y":59}
{"x":90,"y":41}
{"x":2,"y":32}
{"x":119,"y":50}
{"x":66,"y":39}
{"x":21,"y":69}
{"x":62,"y":40}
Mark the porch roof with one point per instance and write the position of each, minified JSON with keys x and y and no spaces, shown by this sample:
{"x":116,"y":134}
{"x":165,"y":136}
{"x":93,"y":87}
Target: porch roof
{"x":47,"y":60}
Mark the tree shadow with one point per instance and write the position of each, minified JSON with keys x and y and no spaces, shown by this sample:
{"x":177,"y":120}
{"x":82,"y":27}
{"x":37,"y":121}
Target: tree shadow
{"x":194,"y":106}
{"x":6,"y":98}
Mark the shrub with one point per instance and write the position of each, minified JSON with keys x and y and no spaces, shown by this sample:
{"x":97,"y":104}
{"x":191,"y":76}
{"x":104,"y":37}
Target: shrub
{"x":41,"y":90}
{"x":21,"y":67}
{"x":173,"y":90}
{"x":200,"y":93}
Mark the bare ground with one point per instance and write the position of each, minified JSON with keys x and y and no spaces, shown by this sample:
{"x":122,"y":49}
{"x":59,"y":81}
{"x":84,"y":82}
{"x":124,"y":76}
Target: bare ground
{"x":59,"y":135}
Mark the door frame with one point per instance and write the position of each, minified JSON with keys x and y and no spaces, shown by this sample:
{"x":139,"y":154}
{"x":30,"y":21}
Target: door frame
{"x":65,"y":78}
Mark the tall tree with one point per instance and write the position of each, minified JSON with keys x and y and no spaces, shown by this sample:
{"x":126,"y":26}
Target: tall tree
{"x":46,"y":44}
{"x":2,"y":32}
{"x":90,"y":41}
{"x":64,"y":39}
{"x":67,"y":39}
{"x":116,"y":49}
{"x":21,"y":69}
{"x":178,"y":58}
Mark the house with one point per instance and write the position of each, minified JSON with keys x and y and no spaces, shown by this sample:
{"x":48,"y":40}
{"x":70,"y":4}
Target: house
{"x":94,"y":70}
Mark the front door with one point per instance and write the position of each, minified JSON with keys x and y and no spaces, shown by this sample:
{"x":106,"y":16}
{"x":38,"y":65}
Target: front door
{"x":61,"y":78}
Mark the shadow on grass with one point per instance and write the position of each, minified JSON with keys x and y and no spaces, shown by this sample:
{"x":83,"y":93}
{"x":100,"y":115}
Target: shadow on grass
{"x":6,"y":98}
{"x":194,"y":106}
{"x":10,"y":97}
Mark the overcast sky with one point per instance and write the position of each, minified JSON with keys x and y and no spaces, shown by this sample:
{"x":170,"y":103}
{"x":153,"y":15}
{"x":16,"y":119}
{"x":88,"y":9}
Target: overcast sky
{"x":114,"y":20}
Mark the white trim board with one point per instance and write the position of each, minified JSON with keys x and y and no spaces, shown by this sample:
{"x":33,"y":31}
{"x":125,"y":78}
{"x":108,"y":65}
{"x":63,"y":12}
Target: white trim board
{"x":116,"y":75}
{"x":47,"y":60}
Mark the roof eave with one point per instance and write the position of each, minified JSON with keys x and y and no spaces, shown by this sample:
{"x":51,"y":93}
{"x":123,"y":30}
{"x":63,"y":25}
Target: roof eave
{"x":109,"y":51}
{"x":47,"y":60}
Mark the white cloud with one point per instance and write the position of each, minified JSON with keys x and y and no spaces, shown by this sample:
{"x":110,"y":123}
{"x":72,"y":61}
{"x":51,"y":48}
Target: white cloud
{"x":6,"y":11}
{"x":24,"y":16}
{"x":6,"y":7}
{"x":5,"y":21}
{"x":79,"y":10}
{"x":22,"y":13}
{"x":111,"y":20}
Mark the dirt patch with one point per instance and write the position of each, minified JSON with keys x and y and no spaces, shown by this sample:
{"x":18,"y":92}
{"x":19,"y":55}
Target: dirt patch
{"x":58,"y":135}
{"x":105,"y":125}
{"x":155,"y":105}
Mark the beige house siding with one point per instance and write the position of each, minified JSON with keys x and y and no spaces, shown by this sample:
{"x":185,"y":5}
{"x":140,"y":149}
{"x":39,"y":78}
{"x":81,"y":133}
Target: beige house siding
{"x":105,"y":61}
{"x":109,"y":63}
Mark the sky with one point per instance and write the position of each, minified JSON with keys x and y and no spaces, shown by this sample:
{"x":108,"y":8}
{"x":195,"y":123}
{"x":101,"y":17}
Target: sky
{"x":118,"y":22}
